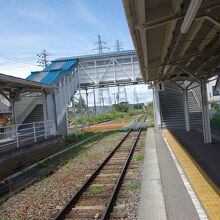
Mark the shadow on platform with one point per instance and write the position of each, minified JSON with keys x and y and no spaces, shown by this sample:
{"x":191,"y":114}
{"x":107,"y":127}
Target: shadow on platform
{"x":206,"y":155}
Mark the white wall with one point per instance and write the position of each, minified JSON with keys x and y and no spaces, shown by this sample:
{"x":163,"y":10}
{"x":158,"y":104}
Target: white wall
{"x":25,"y":105}
{"x":212,"y":98}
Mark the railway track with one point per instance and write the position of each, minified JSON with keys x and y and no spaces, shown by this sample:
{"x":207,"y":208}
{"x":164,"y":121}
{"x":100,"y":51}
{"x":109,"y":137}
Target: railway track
{"x":97,"y":196}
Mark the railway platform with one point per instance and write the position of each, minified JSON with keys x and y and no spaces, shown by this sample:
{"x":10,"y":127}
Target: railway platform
{"x":180,"y":179}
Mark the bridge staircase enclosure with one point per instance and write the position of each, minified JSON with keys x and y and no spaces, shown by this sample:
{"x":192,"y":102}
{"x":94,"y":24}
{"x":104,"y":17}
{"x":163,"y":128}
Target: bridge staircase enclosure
{"x":70,"y":74}
{"x":171,"y":107}
{"x":53,"y":106}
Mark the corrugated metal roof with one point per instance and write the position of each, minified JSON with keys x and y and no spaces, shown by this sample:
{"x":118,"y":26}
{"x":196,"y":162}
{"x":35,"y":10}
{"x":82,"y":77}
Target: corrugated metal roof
{"x":102,"y":55}
{"x":32,"y":76}
{"x":61,"y":65}
{"x":50,"y":77}
{"x":52,"y":73}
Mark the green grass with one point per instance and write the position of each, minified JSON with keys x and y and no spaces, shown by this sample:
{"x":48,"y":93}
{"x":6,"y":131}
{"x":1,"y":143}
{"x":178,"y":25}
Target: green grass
{"x":4,"y":218}
{"x":113,"y":116}
{"x":18,"y":216}
{"x":45,"y":194}
{"x":142,"y":143}
{"x":133,"y":186}
{"x":96,"y":190}
{"x":82,"y":152}
{"x":139,"y":157}
{"x":86,"y":155}
{"x":36,"y":185}
{"x":77,"y":136}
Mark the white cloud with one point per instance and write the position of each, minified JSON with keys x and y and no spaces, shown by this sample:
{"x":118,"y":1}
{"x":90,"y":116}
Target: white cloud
{"x":19,"y":70}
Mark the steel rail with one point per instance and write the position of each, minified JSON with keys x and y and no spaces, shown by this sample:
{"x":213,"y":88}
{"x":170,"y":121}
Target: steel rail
{"x":118,"y":184}
{"x":67,"y":208}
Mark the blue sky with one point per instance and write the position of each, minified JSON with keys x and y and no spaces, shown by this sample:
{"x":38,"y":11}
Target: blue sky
{"x":63,"y":28}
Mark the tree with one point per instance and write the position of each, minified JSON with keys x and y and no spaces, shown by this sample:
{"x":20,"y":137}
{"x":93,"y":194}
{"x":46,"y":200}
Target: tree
{"x":81,"y":104}
{"x":150,"y":110}
{"x":121,"y":107}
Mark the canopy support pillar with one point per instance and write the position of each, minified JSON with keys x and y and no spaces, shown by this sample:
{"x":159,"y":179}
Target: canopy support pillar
{"x":186,"y":109}
{"x":205,"y":114}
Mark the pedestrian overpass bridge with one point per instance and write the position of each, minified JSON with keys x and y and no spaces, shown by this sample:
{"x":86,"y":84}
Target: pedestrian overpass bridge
{"x":82,"y":72}
{"x":57,"y":84}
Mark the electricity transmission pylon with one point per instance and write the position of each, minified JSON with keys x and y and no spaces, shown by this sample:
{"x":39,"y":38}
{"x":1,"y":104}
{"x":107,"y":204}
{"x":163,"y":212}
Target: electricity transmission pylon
{"x":108,"y":96}
{"x":121,"y":95}
{"x":118,"y":46}
{"x":42,"y":59}
{"x":104,"y":97}
{"x":100,"y":97}
{"x":100,"y":45}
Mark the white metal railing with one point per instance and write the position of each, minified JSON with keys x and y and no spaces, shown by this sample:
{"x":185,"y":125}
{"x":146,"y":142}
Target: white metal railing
{"x":21,"y":134}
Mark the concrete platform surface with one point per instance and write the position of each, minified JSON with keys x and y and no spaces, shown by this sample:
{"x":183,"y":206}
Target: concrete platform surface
{"x":152,"y":204}
{"x":163,"y":194}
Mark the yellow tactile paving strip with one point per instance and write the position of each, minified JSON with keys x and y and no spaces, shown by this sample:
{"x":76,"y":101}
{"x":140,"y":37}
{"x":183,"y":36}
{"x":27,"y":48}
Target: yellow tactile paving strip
{"x":207,"y":193}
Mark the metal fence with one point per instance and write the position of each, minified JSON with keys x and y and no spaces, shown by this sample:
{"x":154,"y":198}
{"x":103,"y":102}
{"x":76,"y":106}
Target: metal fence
{"x":23,"y":134}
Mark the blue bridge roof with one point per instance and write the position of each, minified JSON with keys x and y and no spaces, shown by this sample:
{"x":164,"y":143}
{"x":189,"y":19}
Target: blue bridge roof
{"x":59,"y":67}
{"x":52,"y":74}
{"x":101,"y":55}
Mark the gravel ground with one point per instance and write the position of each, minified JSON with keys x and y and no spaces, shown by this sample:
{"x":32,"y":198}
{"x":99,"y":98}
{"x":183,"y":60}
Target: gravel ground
{"x":43,"y":199}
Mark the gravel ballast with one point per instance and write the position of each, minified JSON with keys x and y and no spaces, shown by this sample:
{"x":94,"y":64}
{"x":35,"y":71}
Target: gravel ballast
{"x":43,"y":199}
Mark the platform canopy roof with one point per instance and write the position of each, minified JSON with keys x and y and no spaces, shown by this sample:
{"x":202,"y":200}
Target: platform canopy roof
{"x":175,"y":39}
{"x":14,"y":86}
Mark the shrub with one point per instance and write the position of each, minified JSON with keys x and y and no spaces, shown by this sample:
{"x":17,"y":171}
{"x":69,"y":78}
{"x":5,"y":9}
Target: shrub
{"x":215,"y":121}
{"x":77,"y":136}
{"x":150,"y":110}
{"x":121,"y":107}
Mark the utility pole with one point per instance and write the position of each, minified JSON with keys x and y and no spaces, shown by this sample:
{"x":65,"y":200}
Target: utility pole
{"x":42,"y":59}
{"x":100,"y":45}
{"x":118,"y":46}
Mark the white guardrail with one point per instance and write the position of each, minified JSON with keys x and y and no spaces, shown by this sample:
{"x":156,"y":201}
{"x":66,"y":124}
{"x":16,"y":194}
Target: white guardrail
{"x":22,"y":134}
